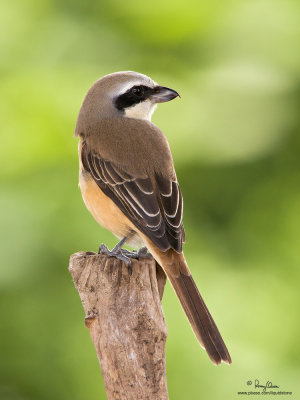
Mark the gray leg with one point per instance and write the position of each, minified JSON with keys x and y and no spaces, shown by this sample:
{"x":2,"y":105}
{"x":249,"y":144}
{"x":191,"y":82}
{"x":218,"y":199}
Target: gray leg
{"x":123,"y":254}
{"x":116,"y":252}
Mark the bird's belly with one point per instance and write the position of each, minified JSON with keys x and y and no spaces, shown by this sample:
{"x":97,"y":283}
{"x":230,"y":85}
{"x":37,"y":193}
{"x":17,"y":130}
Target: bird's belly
{"x":105,"y":212}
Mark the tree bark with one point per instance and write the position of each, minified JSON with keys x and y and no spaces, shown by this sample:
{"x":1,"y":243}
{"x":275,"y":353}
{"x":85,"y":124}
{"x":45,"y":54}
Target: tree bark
{"x":126,"y":323}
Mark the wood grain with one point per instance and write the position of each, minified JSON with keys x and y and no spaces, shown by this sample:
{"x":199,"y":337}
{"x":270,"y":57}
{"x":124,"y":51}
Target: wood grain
{"x":126,"y":323}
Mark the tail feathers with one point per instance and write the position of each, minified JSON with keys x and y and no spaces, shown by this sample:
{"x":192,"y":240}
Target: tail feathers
{"x":202,"y":323}
{"x":199,"y":317}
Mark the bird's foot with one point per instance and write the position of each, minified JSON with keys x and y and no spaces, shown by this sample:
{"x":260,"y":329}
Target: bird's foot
{"x":141,"y":253}
{"x":124,"y":255}
{"x":118,"y":253}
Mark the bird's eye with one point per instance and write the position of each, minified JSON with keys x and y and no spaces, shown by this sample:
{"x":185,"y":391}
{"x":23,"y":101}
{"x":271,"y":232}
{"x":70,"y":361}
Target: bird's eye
{"x":138,"y":91}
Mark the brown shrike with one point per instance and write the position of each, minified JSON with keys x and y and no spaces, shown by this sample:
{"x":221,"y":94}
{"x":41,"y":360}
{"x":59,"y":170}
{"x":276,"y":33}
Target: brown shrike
{"x":128,"y":183}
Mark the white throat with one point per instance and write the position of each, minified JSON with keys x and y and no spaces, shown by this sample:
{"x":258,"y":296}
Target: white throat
{"x":143,"y":110}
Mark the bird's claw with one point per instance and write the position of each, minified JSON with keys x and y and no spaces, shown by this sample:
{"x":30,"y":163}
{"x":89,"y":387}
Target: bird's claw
{"x":117,"y":253}
{"x":124,"y":255}
{"x":141,"y":253}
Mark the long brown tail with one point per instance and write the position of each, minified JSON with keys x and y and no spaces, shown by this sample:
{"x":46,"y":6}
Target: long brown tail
{"x":202,"y":323}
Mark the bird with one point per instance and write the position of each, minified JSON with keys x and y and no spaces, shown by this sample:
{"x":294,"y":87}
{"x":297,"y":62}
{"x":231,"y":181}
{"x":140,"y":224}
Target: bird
{"x":129,"y":184}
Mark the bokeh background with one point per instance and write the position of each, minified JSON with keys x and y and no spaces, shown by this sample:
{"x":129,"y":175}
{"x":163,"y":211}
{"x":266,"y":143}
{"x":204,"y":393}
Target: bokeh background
{"x":235,"y":140}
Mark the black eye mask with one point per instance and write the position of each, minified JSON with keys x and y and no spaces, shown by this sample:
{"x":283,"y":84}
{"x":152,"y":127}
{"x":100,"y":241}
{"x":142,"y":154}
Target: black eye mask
{"x":133,"y":96}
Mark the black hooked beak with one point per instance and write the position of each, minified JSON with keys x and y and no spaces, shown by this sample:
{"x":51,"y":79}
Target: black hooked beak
{"x":162,"y":94}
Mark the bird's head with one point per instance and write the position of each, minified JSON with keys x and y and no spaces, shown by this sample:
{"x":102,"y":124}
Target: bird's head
{"x":125,"y":94}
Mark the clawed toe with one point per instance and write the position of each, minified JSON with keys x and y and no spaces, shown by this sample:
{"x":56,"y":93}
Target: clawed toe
{"x":103,"y":249}
{"x":117,"y":253}
{"x":130,"y":254}
{"x":141,"y":253}
{"x":123,"y":254}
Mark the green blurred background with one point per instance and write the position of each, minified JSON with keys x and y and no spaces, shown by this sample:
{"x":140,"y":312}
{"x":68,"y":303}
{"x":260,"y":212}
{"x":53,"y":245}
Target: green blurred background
{"x":235,"y":140}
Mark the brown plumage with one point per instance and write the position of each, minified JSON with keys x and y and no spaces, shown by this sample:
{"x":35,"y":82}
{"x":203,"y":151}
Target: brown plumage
{"x":129,"y":184}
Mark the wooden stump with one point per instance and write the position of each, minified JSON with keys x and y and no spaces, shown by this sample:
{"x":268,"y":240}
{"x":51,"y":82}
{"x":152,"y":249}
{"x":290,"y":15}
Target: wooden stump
{"x":126,"y":323}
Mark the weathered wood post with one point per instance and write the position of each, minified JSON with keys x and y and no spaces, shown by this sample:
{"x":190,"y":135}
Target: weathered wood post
{"x":126,"y":323}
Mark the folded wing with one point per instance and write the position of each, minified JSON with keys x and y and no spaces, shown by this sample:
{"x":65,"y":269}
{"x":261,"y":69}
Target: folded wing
{"x":154,"y":207}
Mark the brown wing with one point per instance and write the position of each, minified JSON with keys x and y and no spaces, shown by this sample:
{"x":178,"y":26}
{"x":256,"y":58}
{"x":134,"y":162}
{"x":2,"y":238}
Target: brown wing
{"x":156,"y":213}
{"x":170,"y":198}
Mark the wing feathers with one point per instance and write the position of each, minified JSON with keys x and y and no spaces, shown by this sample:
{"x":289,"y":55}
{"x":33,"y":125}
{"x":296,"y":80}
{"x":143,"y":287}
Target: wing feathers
{"x":157,"y":212}
{"x":144,"y":185}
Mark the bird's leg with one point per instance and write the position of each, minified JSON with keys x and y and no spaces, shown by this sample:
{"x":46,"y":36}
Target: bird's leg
{"x":118,"y":246}
{"x":123,"y":254}
{"x":117,"y":252}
